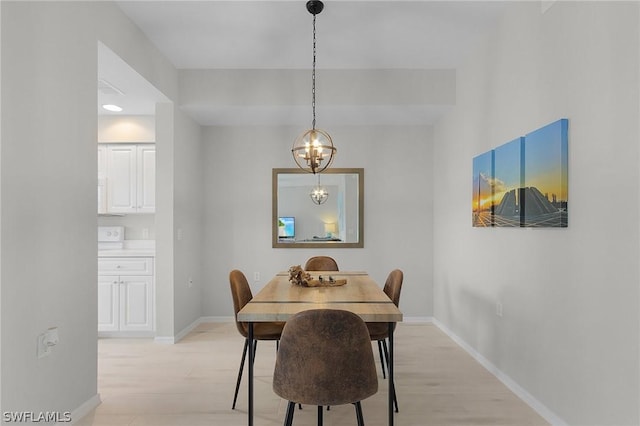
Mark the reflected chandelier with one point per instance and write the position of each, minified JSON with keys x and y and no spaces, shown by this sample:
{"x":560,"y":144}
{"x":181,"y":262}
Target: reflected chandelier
{"x":313,"y":150}
{"x":319,"y":193}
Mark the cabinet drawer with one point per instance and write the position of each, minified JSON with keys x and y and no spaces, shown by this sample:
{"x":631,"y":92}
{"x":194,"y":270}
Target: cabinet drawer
{"x":125,"y":266}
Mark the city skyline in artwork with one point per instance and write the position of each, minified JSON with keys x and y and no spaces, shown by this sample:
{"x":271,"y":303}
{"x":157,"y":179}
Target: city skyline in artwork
{"x":523,"y":183}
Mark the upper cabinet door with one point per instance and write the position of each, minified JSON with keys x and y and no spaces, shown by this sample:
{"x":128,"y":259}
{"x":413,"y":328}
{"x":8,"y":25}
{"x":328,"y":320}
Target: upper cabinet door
{"x":121,"y":179}
{"x":102,"y":179}
{"x":131,"y":178}
{"x":146,"y":189}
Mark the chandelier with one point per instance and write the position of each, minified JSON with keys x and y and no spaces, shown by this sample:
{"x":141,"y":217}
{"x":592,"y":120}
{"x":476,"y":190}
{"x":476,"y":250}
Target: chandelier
{"x":319,"y":194}
{"x":313,"y":150}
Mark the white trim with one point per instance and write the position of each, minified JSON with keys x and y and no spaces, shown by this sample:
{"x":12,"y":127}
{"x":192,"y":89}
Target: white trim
{"x":124,"y":334}
{"x":170,"y":340}
{"x":536,"y":405}
{"x":216,"y":319}
{"x":83,"y":409}
{"x":417,"y":320}
{"x":182,"y":334}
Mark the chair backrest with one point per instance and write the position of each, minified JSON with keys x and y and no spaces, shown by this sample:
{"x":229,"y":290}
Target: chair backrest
{"x":325,"y":358}
{"x":393,"y":285}
{"x":321,"y":263}
{"x":241,"y":293}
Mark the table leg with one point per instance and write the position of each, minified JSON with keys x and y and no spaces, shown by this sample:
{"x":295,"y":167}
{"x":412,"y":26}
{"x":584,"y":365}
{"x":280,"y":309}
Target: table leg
{"x":390,"y":369}
{"x":251,"y":359}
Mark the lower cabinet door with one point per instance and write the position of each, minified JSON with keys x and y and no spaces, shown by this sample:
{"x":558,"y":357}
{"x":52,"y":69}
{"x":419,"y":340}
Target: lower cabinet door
{"x":108,"y":303}
{"x":136,"y":303}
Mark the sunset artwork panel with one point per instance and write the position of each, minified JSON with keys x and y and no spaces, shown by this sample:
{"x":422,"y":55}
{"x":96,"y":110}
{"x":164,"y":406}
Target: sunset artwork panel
{"x":508,"y":180}
{"x":483,"y":190}
{"x":545,"y":165}
{"x":523,"y":183}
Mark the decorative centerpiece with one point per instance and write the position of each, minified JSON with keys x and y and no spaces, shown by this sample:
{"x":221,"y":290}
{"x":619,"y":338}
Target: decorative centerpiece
{"x":298,"y":276}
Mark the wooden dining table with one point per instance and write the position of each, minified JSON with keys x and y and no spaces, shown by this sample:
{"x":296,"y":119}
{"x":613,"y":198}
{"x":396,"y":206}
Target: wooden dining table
{"x":279,"y":300}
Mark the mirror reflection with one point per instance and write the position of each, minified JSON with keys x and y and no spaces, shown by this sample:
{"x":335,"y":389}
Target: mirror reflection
{"x":302,"y":219}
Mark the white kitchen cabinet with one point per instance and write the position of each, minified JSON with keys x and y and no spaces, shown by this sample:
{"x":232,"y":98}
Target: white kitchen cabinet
{"x":131,"y":178}
{"x":125,"y":295}
{"x":108,"y":303}
{"x":102,"y":179}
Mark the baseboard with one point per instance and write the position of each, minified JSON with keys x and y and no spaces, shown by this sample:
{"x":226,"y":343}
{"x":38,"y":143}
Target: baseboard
{"x":216,"y":319}
{"x":417,"y":320}
{"x":83,"y":409}
{"x":170,"y":340}
{"x":125,"y":334}
{"x":165,"y":340}
{"x":529,"y":399}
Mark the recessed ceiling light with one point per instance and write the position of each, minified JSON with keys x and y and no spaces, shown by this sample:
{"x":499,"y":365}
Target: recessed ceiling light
{"x":113,"y":108}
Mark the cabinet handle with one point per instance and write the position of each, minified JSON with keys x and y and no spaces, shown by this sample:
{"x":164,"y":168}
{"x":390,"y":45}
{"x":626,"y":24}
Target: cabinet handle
{"x":115,"y":282}
{"x":118,"y":266}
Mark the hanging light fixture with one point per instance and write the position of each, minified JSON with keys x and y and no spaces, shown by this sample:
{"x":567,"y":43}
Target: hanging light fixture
{"x":319,"y":194}
{"x":313,"y":150}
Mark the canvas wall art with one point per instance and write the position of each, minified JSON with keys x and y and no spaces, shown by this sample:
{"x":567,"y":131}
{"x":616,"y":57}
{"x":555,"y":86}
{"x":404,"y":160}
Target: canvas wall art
{"x":523,"y":183}
{"x":508,"y":181}
{"x":483,"y":190}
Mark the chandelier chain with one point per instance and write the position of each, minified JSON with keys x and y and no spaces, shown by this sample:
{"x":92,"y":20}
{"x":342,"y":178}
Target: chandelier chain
{"x":313,"y":76}
{"x":313,"y":151}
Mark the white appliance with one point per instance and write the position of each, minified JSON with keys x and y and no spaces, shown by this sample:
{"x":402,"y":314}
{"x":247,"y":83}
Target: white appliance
{"x":110,"y":237}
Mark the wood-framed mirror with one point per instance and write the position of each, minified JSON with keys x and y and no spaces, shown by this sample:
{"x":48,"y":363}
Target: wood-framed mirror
{"x":299,"y":222}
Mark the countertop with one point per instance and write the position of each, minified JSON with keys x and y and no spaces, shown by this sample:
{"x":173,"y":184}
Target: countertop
{"x":131,"y":248}
{"x":127,"y":253}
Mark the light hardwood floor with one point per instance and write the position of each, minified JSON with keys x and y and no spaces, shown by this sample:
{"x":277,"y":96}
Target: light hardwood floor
{"x":191,"y":383}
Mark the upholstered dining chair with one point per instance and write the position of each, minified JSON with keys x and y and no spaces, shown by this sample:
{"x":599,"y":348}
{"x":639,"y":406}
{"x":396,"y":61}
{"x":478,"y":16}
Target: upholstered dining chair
{"x":379,"y":331}
{"x":325,"y":358}
{"x":321,"y":263}
{"x":241,"y":293}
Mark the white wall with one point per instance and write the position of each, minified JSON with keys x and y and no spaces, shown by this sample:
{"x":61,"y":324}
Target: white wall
{"x":48,"y":206}
{"x":165,"y":222}
{"x":179,"y":231}
{"x":48,"y":172}
{"x":569,"y":334}
{"x":398,"y":206}
{"x":188,"y":222}
{"x":127,"y":129}
{"x":1,"y":411}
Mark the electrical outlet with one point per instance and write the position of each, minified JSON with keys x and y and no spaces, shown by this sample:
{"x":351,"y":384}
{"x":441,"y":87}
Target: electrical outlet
{"x":499,"y":309}
{"x":256,"y":276}
{"x":46,"y":342}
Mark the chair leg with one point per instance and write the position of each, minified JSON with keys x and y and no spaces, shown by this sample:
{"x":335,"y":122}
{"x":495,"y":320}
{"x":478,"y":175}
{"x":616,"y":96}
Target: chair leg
{"x":291,"y":409}
{"x":384,"y":376}
{"x":320,"y":411}
{"x":393,"y":385}
{"x":359,"y":415}
{"x":244,"y":356}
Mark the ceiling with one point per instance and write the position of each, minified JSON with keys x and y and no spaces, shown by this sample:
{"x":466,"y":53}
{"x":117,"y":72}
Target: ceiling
{"x":351,"y":35}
